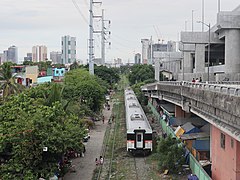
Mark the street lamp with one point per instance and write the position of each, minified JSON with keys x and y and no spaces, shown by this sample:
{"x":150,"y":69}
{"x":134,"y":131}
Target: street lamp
{"x":208,"y":25}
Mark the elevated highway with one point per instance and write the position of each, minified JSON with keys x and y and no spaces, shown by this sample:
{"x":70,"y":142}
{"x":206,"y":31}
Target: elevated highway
{"x":219,"y":104}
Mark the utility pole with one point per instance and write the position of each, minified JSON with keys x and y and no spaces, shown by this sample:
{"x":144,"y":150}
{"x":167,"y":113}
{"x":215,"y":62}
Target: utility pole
{"x":219,"y":6}
{"x":192,"y":20}
{"x":91,"y":31}
{"x":103,"y":33}
{"x":103,"y":38}
{"x":202,"y":15}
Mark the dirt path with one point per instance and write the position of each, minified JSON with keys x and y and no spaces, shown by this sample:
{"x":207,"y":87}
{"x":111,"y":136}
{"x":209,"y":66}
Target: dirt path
{"x":86,"y":165}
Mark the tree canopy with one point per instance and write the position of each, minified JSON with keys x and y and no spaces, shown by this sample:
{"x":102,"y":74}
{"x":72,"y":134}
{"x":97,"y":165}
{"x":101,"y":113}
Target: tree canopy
{"x":170,"y":154}
{"x":8,"y":83}
{"x":140,"y":73}
{"x":48,"y":116}
{"x":84,"y":88}
{"x":27,"y":126}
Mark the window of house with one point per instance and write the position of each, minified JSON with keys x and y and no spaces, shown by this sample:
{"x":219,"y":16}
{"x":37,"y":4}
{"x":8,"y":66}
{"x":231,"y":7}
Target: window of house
{"x":222,"y":141}
{"x":69,"y":42}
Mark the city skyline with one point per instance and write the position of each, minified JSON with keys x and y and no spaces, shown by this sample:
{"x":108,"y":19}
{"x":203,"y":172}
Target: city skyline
{"x":29,"y":23}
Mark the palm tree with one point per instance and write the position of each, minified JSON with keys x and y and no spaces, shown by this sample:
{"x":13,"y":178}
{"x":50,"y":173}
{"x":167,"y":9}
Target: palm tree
{"x":7,"y":81}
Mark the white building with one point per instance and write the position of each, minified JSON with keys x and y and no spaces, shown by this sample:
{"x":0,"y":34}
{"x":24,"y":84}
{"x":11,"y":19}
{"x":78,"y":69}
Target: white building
{"x":39,"y":53}
{"x":68,"y":49}
{"x":145,"y":46}
{"x":56,"y":57}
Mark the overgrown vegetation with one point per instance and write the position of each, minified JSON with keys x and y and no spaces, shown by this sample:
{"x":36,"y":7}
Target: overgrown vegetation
{"x":49,"y":116}
{"x":140,"y":73}
{"x":170,"y":155}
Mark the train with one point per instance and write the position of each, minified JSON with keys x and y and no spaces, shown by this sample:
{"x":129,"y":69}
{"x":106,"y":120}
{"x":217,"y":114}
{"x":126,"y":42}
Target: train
{"x":139,"y":131}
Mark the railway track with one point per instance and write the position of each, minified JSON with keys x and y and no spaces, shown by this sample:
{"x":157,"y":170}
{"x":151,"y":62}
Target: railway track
{"x":141,"y":168}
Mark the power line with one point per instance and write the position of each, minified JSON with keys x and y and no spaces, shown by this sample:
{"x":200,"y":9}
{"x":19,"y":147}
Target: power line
{"x":79,"y":11}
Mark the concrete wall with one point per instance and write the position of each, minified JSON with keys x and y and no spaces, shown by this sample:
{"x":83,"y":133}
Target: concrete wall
{"x":225,"y":162}
{"x":200,"y":58}
{"x":188,"y":64}
{"x":199,"y":38}
{"x":232,"y":51}
{"x":32,"y":73}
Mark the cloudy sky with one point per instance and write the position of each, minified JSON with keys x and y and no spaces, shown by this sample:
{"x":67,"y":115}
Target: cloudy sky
{"x":25,"y":23}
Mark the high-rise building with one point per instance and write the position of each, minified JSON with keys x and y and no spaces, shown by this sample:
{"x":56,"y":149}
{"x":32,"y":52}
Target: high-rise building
{"x":56,"y":57}
{"x":39,"y":53}
{"x":145,"y":45}
{"x":137,"y":58}
{"x":5,"y":56}
{"x":1,"y":58}
{"x":12,"y":54}
{"x":28,"y":57}
{"x":68,"y":49}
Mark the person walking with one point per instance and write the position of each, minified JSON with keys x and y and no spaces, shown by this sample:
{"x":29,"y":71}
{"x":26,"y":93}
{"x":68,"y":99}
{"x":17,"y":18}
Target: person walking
{"x":96,"y":161}
{"x":112,"y":118}
{"x":103,"y":118}
{"x":101,"y":160}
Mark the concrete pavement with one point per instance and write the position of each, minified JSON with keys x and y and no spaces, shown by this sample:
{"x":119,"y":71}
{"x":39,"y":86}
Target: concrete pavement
{"x":86,"y":165}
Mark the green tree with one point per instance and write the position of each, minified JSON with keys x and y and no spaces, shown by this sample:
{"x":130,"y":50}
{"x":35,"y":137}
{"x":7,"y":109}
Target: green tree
{"x":110,"y":75}
{"x":34,"y":126}
{"x":140,"y":73}
{"x":74,"y":65}
{"x":8,"y":84}
{"x":170,"y":154}
{"x":84,"y":88}
{"x":28,"y":63}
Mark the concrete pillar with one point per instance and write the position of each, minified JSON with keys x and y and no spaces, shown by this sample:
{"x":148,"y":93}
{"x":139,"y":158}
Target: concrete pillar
{"x":232,"y":51}
{"x":179,"y":113}
{"x":200,"y":58}
{"x":188,"y":65}
{"x":157,"y":69}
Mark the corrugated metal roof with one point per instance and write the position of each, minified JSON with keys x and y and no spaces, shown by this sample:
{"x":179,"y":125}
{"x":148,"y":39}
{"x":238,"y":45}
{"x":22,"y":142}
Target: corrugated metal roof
{"x":188,"y":127}
{"x":194,"y":136}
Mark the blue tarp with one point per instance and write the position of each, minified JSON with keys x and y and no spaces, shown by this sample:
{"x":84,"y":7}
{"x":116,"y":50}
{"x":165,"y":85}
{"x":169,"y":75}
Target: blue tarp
{"x":201,"y":145}
{"x":192,"y":177}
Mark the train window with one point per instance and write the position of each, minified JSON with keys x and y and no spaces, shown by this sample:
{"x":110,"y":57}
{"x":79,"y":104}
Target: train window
{"x":130,"y":137}
{"x":131,"y":98}
{"x":139,"y":137}
{"x":137,"y":117}
{"x":148,"y":136}
{"x":133,"y":105}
